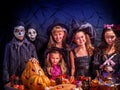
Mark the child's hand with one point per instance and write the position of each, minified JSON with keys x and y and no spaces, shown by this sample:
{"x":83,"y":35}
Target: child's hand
{"x":109,"y":69}
{"x":53,"y":83}
{"x":71,"y":79}
{"x":34,"y":60}
{"x":65,"y":81}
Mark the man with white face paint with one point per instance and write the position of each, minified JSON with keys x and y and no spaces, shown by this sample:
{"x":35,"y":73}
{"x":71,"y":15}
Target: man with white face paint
{"x":39,"y":41}
{"x":17,"y":53}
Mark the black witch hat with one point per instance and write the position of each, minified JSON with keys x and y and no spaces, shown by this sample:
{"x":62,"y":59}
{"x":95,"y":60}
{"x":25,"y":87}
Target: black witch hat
{"x":50,"y":27}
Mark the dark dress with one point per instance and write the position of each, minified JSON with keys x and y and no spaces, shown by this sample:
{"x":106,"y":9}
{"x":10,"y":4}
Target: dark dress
{"x":82,"y":65}
{"x":99,"y":59}
{"x":40,"y":45}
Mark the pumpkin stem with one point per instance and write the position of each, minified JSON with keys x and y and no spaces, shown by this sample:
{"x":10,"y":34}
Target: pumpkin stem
{"x":39,"y":71}
{"x":36,"y":68}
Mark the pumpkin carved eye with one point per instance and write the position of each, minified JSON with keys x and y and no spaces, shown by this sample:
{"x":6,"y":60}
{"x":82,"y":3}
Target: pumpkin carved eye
{"x":33,"y":70}
{"x":26,"y":77}
{"x":39,"y":84}
{"x":30,"y":83}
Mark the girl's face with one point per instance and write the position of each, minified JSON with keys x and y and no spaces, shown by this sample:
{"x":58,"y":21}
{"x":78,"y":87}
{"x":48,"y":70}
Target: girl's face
{"x":110,"y":37}
{"x":54,"y":58}
{"x":80,"y":38}
{"x":32,"y":34}
{"x":58,"y":36}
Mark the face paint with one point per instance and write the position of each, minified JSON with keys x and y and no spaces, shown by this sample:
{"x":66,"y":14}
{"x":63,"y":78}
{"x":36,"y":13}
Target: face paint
{"x":32,"y":34}
{"x":19,"y":32}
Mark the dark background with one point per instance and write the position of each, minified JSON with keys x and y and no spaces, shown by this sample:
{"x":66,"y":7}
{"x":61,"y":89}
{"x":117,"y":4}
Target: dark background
{"x":45,"y":12}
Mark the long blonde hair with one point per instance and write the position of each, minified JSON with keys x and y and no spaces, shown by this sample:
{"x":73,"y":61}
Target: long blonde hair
{"x":57,"y":28}
{"x":61,"y":62}
{"x":89,"y":45}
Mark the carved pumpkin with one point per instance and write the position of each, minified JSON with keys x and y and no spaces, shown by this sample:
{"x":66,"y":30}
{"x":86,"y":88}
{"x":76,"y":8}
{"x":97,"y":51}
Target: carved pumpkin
{"x":30,"y":69}
{"x":37,"y":82}
{"x":46,"y":80}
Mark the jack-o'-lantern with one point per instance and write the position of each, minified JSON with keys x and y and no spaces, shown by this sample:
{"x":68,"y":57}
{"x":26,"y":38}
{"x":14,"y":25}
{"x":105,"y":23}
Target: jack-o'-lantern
{"x":30,"y":69}
{"x":38,"y":82}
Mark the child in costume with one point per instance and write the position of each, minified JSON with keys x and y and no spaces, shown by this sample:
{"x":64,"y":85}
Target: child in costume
{"x":107,"y":54}
{"x":58,"y":36}
{"x":40,"y":42}
{"x":54,"y":63}
{"x":81,"y":54}
{"x":17,"y":52}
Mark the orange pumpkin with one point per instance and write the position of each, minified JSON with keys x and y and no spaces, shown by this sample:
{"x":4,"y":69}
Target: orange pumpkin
{"x":46,"y":80}
{"x":95,"y":83}
{"x":30,"y":69}
{"x":37,"y":82}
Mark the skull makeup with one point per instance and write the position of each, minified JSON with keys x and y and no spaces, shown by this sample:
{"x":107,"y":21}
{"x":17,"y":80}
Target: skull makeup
{"x":19,"y":32}
{"x":32,"y":34}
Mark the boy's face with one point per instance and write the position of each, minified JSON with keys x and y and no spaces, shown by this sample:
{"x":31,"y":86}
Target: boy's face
{"x":32,"y":34}
{"x":19,"y":32}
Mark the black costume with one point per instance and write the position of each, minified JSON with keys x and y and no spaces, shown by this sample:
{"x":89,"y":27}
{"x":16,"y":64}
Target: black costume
{"x":99,"y":59}
{"x":82,"y":65}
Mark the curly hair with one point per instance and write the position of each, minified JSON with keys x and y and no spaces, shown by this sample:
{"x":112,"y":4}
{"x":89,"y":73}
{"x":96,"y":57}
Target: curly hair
{"x":61,"y":62}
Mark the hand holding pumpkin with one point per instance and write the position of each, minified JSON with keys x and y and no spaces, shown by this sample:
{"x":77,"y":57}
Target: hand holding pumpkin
{"x":34,"y":60}
{"x":53,"y":83}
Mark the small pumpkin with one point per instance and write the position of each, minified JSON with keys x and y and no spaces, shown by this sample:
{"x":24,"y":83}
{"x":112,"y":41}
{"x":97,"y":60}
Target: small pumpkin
{"x":63,"y":79}
{"x":95,"y":83}
{"x":18,"y":87}
{"x":38,"y":82}
{"x":30,"y":69}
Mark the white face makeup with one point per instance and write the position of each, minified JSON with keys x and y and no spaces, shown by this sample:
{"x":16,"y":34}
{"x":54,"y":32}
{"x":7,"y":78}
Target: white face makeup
{"x":32,"y":34}
{"x":19,"y":32}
